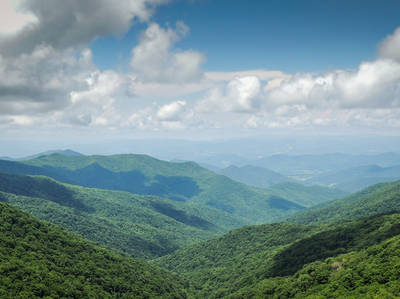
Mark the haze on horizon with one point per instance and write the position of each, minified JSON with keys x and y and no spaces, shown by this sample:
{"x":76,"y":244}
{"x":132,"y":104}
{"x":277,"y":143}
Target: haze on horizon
{"x":88,"y":73}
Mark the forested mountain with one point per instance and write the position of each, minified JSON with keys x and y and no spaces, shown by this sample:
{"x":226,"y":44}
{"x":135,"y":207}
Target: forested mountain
{"x":278,"y":260}
{"x":286,"y":260}
{"x":376,"y":199}
{"x":357,"y":178}
{"x":181,"y":182}
{"x":39,"y":260}
{"x":142,"y":226}
{"x":254,"y":176}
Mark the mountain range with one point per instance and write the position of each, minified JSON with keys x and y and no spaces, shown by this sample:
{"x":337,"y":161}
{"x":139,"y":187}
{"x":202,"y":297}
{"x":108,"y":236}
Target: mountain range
{"x":179,"y":217}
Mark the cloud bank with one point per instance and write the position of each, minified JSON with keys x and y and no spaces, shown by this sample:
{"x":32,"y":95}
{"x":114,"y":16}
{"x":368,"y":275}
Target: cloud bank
{"x":48,"y":77}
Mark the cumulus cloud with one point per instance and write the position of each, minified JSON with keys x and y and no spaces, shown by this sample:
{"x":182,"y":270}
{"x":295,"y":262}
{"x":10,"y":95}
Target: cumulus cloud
{"x":173,"y":116}
{"x":65,"y":24}
{"x":95,"y":104}
{"x":172,"y":111}
{"x":47,"y":74}
{"x":239,"y":95}
{"x":374,"y":84}
{"x":390,"y":47}
{"x":49,"y":77}
{"x":42,"y":80}
{"x":154,"y":60}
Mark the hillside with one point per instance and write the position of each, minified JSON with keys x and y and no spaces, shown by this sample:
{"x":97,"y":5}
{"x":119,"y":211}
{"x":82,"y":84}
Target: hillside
{"x":41,"y":260}
{"x":181,"y":182}
{"x":142,"y":226}
{"x":357,"y":178}
{"x":377,"y":199}
{"x":254,"y":176}
{"x":249,"y":260}
{"x":368,"y":273}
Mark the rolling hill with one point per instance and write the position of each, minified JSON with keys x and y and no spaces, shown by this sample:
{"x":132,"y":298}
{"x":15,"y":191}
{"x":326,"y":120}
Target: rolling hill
{"x":376,"y":199}
{"x":141,"y":226}
{"x":182,"y":182}
{"x":284,"y":260}
{"x":39,"y":260}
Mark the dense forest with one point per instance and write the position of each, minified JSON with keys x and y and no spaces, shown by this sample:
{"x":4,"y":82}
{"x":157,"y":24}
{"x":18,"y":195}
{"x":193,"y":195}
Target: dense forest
{"x":327,"y":247}
{"x":249,"y":257}
{"x":41,"y":260}
{"x":186,"y":183}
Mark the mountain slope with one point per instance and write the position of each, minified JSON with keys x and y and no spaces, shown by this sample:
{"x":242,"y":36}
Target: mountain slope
{"x":41,"y":260}
{"x":142,"y":226}
{"x":246,"y":257}
{"x":183,"y":182}
{"x":379,"y":198}
{"x":254,"y":176}
{"x":368,"y":273}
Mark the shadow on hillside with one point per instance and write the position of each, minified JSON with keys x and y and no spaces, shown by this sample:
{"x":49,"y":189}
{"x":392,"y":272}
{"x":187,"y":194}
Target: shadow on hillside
{"x":339,"y":240}
{"x":42,"y":188}
{"x":182,"y":216}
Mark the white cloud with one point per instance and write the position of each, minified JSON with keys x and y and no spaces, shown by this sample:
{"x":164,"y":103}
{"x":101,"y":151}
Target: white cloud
{"x":374,"y":84}
{"x":13,"y":18}
{"x":172,"y":111}
{"x":42,"y":80}
{"x":260,"y":74}
{"x":239,"y":95}
{"x":46,"y":77}
{"x":390,"y":47}
{"x":154,"y":59}
{"x":65,"y":24}
{"x":166,"y":90}
{"x":95,"y":105}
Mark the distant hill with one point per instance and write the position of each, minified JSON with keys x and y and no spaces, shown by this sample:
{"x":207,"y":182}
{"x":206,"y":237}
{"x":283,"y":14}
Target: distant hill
{"x":284,"y":260}
{"x":357,"y":178}
{"x":66,"y":152}
{"x":141,"y":226}
{"x":254,"y":176}
{"x":6,"y":158}
{"x":306,"y":196}
{"x":39,"y":260}
{"x":182,"y":182}
{"x":376,"y":199}
{"x":308,"y":166}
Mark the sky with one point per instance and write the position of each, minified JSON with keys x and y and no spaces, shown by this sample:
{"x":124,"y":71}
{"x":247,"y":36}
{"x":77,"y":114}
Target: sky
{"x":85,"y":70}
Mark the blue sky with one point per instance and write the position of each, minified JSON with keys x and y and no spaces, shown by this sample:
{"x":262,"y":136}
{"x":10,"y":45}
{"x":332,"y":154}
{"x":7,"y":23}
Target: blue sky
{"x":293,"y":36}
{"x":79,"y":69}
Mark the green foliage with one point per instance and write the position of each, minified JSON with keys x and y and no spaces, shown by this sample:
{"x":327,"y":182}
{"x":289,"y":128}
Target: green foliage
{"x":373,"y":272}
{"x":377,"y":199}
{"x":39,"y":260}
{"x":144,"y":227}
{"x":251,"y":261}
{"x":187,"y":183}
